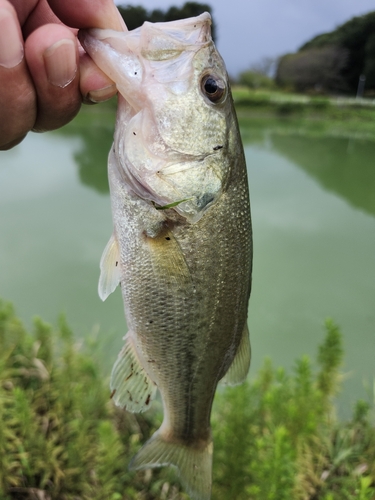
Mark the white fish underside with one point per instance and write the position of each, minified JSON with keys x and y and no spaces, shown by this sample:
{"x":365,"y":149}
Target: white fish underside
{"x":185,"y":271}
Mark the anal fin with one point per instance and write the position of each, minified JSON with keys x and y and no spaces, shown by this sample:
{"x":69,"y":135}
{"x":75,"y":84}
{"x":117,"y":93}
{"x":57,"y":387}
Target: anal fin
{"x":239,"y":368}
{"x":131,"y":386}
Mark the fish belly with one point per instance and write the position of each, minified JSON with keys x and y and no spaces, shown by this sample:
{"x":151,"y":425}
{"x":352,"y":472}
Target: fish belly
{"x":186,"y":293}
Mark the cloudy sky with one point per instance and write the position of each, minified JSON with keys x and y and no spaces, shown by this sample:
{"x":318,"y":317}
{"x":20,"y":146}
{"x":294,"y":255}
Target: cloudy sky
{"x":249,"y":30}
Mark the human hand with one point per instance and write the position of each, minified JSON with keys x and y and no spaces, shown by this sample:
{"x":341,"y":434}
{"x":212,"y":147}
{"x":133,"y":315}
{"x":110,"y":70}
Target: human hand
{"x":44,"y":73}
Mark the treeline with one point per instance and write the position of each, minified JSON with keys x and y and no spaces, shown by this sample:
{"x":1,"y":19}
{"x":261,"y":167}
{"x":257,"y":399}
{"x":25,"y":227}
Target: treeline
{"x":333,"y":62}
{"x":135,"y":16}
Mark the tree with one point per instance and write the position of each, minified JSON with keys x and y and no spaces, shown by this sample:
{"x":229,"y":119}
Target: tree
{"x":355,"y":38}
{"x":369,"y":66}
{"x":315,"y":68}
{"x":134,"y":16}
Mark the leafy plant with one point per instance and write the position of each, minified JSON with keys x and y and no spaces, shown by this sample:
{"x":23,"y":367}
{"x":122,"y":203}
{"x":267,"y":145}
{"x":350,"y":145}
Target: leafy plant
{"x":275,"y":438}
{"x":256,"y":80}
{"x":278,"y":437}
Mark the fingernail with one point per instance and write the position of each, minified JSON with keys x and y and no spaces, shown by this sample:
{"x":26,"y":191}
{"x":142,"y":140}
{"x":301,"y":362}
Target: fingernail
{"x":11,"y":48}
{"x":60,"y":61}
{"x":103,"y":94}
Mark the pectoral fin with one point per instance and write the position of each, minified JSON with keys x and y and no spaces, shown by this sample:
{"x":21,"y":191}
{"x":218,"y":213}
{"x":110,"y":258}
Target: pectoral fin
{"x":168,"y":261}
{"x":109,"y":269}
{"x":239,"y":368}
{"x":131,"y":387}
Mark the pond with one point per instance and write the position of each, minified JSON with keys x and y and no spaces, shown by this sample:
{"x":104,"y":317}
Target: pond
{"x":313,"y":207}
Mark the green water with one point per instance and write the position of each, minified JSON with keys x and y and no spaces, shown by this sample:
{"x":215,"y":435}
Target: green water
{"x":313,"y":206}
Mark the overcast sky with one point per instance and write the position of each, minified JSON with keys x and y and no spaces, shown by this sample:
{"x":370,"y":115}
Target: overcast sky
{"x":249,"y":30}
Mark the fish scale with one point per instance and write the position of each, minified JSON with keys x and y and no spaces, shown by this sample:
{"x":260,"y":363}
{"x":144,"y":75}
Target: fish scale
{"x":182,"y":235}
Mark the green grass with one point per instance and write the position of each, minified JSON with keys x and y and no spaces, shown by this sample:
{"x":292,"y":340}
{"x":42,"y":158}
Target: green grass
{"x":295,"y":113}
{"x":275,"y":438}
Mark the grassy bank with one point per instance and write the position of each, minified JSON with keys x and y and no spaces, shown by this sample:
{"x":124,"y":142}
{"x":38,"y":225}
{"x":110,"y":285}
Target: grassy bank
{"x":335,"y":116}
{"x":276,"y":438}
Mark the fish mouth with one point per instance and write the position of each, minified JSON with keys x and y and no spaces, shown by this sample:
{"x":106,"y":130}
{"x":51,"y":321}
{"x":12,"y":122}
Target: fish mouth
{"x":150,"y":64}
{"x":119,"y":54}
{"x":159,"y":39}
{"x":178,"y":35}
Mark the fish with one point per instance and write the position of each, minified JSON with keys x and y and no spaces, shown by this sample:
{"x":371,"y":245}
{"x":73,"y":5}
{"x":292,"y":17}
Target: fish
{"x":181,"y":247}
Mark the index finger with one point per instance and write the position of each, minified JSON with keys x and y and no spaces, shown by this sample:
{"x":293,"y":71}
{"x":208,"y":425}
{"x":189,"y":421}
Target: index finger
{"x":86,"y":14}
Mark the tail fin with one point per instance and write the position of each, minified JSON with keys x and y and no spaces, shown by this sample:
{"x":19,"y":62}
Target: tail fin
{"x":194,"y":465}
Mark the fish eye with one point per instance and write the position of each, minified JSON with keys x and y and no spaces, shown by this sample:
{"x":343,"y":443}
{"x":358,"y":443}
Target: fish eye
{"x":213,"y":88}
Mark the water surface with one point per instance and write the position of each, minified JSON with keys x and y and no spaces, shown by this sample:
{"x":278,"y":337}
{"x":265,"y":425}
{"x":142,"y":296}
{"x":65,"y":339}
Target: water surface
{"x":313,"y":205}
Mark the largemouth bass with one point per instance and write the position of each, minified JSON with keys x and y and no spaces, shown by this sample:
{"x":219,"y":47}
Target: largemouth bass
{"x":181,"y":245}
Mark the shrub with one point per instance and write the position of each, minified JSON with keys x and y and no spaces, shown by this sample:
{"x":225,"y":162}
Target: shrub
{"x":253,"y":100}
{"x":255,"y":80}
{"x":275,"y":438}
{"x":285,"y":108}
